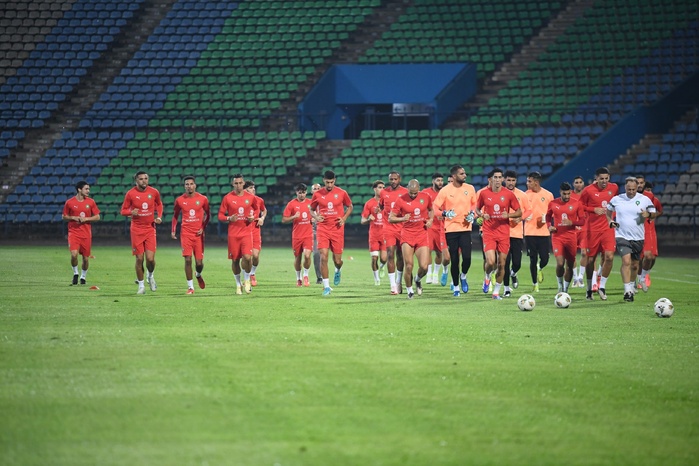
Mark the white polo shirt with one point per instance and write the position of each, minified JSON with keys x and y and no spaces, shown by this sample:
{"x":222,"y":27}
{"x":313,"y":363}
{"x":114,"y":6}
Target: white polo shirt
{"x":628,"y":215}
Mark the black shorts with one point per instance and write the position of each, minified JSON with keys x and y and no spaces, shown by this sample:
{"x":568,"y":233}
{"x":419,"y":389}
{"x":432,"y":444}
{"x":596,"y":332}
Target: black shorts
{"x":625,"y":246}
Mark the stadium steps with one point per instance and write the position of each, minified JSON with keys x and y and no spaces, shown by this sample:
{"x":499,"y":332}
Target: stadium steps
{"x":311,"y":167}
{"x":358,"y":42}
{"x":39,"y":140}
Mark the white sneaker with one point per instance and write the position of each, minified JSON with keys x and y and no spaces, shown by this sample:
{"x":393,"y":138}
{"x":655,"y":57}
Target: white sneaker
{"x":428,"y":279}
{"x":151,"y":282}
{"x":141,"y":290}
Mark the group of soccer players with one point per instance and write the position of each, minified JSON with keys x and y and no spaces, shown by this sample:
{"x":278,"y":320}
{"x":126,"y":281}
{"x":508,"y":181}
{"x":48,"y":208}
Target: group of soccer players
{"x":406,"y":224}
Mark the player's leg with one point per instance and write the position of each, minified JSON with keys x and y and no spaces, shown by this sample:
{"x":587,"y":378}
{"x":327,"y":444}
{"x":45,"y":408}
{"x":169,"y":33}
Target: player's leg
{"x":375,"y":266}
{"x":407,"y":252}
{"x":533,"y":254}
{"x":544,"y":251}
{"x":503,"y":249}
{"x":422,"y":253}
{"x":464,"y":245}
{"x":453,"y":247}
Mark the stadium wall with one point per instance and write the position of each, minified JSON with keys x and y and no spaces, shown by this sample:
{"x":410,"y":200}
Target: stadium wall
{"x":346,"y":90}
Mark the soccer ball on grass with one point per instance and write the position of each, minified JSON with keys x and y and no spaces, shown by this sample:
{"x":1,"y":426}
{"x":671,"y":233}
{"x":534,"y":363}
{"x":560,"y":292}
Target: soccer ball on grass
{"x":664,"y":308}
{"x":526,"y":302}
{"x":562,"y":300}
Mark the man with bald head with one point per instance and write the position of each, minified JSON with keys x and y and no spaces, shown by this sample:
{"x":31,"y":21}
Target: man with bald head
{"x":414,"y":211}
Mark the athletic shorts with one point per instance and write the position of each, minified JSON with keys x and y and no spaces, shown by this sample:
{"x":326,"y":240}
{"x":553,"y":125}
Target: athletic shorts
{"x":600,"y":242}
{"x":239,"y":246}
{"x":192,"y":245}
{"x":437,"y":239}
{"x":298,"y":245}
{"x":80,"y":244}
{"x":142,"y":241}
{"x":377,"y":243}
{"x":392,"y":236}
{"x":565,"y":246}
{"x":333,"y":240}
{"x":500,"y":244}
{"x":415,"y":240}
{"x":256,"y":239}
{"x":624,"y":247}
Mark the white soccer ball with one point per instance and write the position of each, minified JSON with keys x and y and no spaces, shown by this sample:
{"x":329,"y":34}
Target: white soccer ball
{"x":526,"y":302}
{"x":562,"y":300}
{"x":664,"y":308}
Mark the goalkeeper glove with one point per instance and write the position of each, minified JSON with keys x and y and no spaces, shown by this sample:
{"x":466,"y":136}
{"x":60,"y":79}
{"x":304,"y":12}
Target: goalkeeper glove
{"x":449,"y":214}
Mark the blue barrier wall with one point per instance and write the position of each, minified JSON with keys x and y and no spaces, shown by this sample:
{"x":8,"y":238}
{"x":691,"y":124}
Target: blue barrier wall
{"x":657,"y":118}
{"x":345,"y":91}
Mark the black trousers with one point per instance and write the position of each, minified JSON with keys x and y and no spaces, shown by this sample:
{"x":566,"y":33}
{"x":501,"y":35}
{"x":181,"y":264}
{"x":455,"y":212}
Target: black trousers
{"x":459,"y":240}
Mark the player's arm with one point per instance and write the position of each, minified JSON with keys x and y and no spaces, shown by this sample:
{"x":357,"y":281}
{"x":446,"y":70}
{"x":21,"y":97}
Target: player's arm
{"x":649,"y":212}
{"x":175,"y":217}
{"x":207,"y":216}
{"x":263,"y":212}
{"x":609,"y":211}
{"x":223,"y":213}
{"x":348,"y":211}
{"x":158,"y":209}
{"x":126,"y":208}
{"x":287,"y":217}
{"x":430,"y":217}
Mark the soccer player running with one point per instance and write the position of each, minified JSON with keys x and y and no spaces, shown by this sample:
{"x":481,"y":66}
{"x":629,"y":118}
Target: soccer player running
{"x":333,"y":206}
{"x":513,"y":262}
{"x":599,"y":237}
{"x":316,"y":253}
{"x":372,"y":216}
{"x":536,"y":233}
{"x":456,"y":203}
{"x":392,"y":231}
{"x":632,"y":209}
{"x":142,"y":203}
{"x":259,"y":214}
{"x":298,"y":211}
{"x":236,"y":209}
{"x":497,"y":205}
{"x":438,"y":240}
{"x":579,"y":267}
{"x":196,"y":214}
{"x":80,"y":211}
{"x":414,"y":211}
{"x":650,"y":243}
{"x":563,"y":217}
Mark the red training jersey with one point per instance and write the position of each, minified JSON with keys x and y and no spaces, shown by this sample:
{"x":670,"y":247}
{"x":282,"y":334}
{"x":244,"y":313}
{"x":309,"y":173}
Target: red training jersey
{"x":240,"y":205}
{"x":255,"y":212}
{"x":302,"y":226}
{"x":571,"y":210}
{"x":148,"y":204}
{"x":592,"y":197}
{"x":497,"y":205}
{"x":85,"y":208}
{"x":417,"y":207}
{"x":372,"y":207}
{"x":387,"y":202}
{"x":331,"y":205}
{"x":196,"y":213}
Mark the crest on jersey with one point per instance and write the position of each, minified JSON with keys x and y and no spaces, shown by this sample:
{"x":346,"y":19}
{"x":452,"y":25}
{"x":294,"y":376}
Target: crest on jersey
{"x":422,"y":201}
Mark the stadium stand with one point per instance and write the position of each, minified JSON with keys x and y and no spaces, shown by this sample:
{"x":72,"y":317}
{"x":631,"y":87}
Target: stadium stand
{"x":194,"y":98}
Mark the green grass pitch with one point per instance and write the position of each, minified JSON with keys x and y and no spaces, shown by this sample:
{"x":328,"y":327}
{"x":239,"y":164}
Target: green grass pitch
{"x":285,"y":376}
